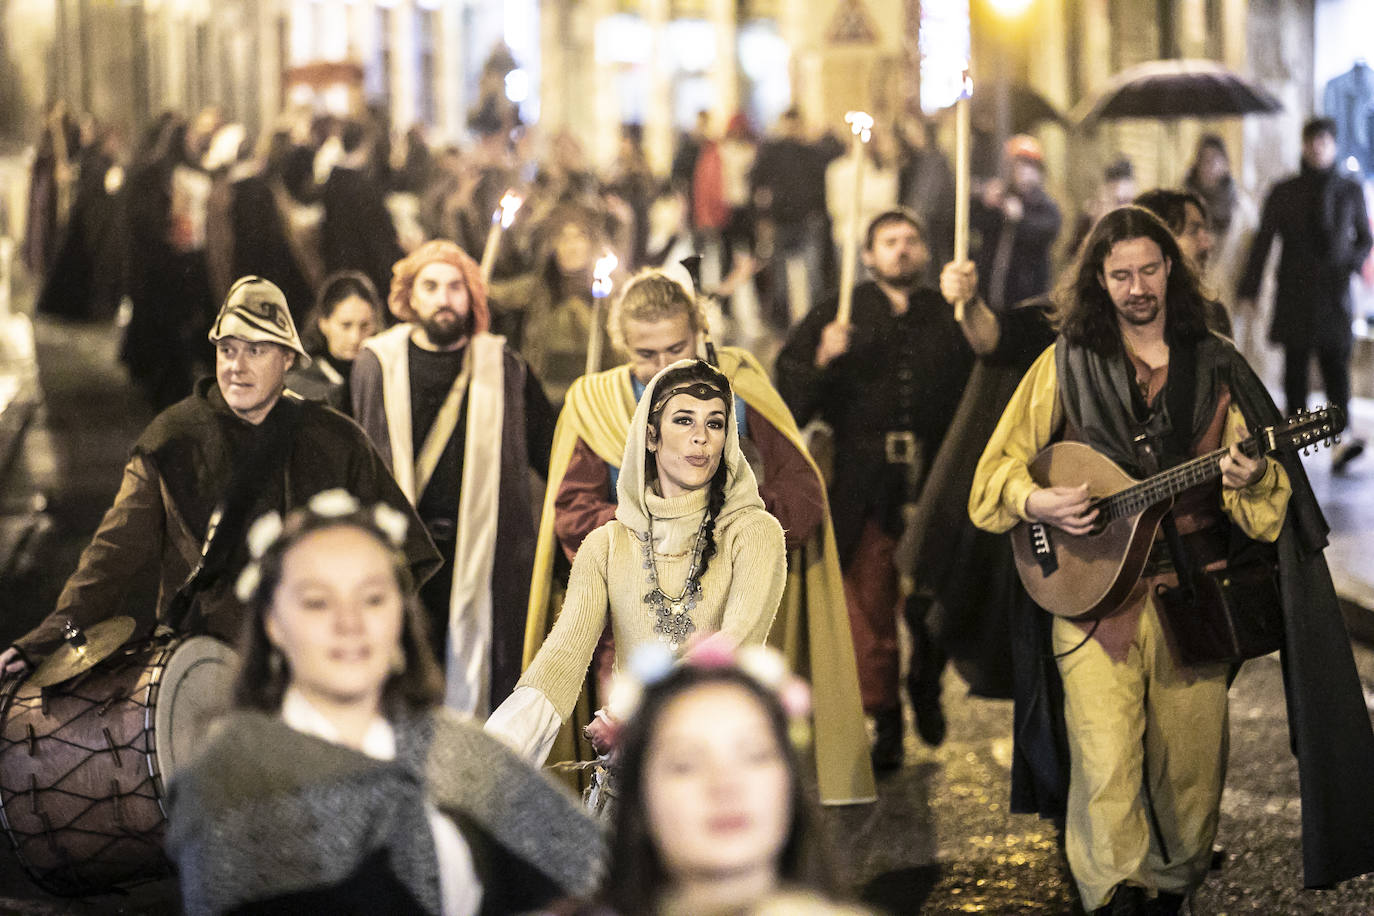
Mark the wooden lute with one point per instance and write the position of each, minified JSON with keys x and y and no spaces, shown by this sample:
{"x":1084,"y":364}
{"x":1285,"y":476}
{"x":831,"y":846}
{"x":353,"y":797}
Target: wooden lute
{"x":1087,"y":576}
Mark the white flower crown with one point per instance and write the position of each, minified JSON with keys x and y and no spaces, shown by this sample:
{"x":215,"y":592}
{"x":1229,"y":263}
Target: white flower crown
{"x":267,"y":529}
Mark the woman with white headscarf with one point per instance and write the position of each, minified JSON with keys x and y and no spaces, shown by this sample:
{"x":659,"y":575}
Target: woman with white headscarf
{"x":691,"y":550}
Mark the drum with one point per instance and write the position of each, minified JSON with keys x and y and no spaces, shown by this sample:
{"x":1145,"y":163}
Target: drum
{"x":84,"y":764}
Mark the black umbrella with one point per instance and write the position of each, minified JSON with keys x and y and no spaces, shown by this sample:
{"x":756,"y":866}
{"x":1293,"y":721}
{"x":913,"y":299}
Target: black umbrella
{"x":1167,"y":89}
{"x":1028,"y":108}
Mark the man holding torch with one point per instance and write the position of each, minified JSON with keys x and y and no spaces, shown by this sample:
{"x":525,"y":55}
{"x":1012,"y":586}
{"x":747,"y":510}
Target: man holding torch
{"x":460,"y":420}
{"x":886,"y":374}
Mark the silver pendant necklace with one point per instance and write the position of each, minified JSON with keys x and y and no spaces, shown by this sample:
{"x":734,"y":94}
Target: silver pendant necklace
{"x":673,"y":622}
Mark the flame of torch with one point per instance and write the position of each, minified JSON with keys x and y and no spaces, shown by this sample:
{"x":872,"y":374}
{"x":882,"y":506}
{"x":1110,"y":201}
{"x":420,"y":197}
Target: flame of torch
{"x":601,"y":288}
{"x":601,"y":275}
{"x":510,"y":204}
{"x":860,"y":124}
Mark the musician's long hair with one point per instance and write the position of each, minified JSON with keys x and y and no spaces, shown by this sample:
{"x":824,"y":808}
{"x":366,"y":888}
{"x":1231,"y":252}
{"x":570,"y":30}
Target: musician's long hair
{"x":1086,"y":315}
{"x":265,"y":675}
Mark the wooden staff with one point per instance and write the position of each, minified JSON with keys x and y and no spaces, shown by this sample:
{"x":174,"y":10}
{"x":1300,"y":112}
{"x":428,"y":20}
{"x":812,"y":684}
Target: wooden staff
{"x":601,"y":288}
{"x":500,"y":222}
{"x":962,"y":159}
{"x":861,"y":125}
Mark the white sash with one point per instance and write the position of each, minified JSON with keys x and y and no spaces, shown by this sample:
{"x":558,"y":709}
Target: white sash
{"x":468,"y":660}
{"x":467,"y":656}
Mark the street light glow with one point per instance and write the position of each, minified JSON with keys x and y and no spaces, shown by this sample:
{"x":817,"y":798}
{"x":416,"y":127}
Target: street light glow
{"x":1009,"y":8}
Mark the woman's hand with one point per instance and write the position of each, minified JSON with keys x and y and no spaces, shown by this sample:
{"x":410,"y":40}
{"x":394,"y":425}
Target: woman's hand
{"x":603,"y":732}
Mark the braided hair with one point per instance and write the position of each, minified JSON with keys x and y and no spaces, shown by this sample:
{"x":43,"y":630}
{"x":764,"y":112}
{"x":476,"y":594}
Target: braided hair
{"x":702,"y":374}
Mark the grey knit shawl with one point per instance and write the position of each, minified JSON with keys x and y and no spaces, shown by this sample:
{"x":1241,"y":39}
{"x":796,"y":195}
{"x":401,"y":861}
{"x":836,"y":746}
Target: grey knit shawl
{"x":268,"y":811}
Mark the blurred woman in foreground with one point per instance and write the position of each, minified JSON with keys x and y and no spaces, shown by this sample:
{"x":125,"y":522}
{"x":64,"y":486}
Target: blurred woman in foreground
{"x":711,"y":815}
{"x":338,"y":785}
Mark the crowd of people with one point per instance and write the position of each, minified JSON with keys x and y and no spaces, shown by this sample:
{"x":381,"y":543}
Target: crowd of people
{"x":472,"y":520}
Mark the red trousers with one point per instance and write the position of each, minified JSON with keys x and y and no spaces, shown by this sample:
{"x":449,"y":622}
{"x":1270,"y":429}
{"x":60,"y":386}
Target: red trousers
{"x":873,"y":597}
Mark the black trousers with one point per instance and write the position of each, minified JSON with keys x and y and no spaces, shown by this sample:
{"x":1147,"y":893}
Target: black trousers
{"x":1333,"y":359}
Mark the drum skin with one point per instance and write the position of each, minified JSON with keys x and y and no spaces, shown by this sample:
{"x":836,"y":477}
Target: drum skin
{"x":81,"y":789}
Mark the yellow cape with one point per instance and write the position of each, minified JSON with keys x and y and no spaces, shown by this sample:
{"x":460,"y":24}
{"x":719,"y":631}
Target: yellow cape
{"x":812,"y":627}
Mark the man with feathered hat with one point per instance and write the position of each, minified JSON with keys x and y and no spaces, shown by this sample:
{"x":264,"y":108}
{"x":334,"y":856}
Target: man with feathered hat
{"x":460,"y":420}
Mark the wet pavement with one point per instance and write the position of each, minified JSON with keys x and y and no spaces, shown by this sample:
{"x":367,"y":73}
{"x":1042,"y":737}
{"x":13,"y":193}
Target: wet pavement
{"x":940,"y":839}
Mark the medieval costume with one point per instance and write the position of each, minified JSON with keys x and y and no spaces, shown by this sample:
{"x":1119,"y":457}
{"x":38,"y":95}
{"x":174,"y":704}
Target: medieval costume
{"x":627,"y":570}
{"x":470,"y":487}
{"x":357,"y":231}
{"x":1080,"y":683}
{"x":180,"y":470}
{"x":1319,"y":215}
{"x":969,"y":572}
{"x":889,"y":399}
{"x":549,"y":313}
{"x":812,"y":630}
{"x":327,"y":380}
{"x":432,"y":816}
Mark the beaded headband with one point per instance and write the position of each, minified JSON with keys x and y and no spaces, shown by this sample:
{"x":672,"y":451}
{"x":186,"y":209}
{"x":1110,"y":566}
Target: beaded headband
{"x":702,"y":391}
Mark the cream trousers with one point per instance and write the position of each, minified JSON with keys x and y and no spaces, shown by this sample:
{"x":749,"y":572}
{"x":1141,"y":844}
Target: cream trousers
{"x":1145,"y":717}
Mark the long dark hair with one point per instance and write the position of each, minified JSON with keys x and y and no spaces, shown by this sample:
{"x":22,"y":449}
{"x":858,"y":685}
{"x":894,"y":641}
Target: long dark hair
{"x":637,"y":877}
{"x":1086,"y":314}
{"x":698,"y":371}
{"x":262,"y":683}
{"x":335,"y":289}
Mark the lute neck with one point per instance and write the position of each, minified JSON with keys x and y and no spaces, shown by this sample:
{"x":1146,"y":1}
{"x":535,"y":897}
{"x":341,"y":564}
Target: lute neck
{"x":1169,"y":483}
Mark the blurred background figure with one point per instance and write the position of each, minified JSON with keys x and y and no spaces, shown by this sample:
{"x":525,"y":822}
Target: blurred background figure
{"x":165,"y":346}
{"x":789,"y":198}
{"x":373,"y":799}
{"x":1319,"y":215}
{"x":926,"y":184}
{"x":357,"y":232}
{"x":1015,"y":224}
{"x":632,"y":181}
{"x":50,"y":187}
{"x":881,"y":182}
{"x":1117,"y":190}
{"x":346,"y":313}
{"x":87,"y":277}
{"x":548,"y":314}
{"x":1232,"y":220}
{"x":711,"y":815}
{"x":268,"y":240}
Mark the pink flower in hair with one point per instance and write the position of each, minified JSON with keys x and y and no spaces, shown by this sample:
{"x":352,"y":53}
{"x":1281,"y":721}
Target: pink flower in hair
{"x":714,"y":651}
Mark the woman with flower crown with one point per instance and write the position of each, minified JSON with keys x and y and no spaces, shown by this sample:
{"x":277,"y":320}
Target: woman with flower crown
{"x":711,"y":816}
{"x":339,"y":784}
{"x":691,"y":550}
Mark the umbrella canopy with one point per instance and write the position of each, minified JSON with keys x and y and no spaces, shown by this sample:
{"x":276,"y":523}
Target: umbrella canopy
{"x":1028,"y":108}
{"x":1165,"y":89}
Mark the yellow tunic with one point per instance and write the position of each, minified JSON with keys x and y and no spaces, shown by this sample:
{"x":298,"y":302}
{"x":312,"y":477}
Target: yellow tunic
{"x":1002,"y":483}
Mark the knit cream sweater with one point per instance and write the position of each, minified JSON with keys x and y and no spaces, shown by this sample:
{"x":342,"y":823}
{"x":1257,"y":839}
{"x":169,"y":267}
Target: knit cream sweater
{"x":740,"y":590}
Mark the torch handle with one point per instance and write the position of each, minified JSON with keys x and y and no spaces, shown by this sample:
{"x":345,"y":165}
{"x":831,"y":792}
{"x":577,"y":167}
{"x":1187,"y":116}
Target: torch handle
{"x":850,"y":255}
{"x":961,"y":177}
{"x":594,"y":336}
{"x":489,"y":251}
